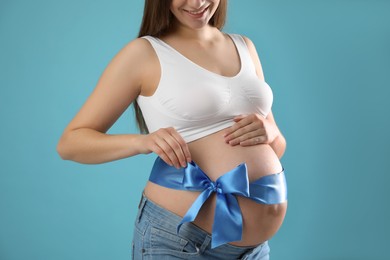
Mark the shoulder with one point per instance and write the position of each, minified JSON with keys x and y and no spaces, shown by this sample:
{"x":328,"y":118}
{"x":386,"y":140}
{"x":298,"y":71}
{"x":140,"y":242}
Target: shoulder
{"x":138,"y":48}
{"x":136,"y":58}
{"x":142,"y":64}
{"x":254,"y":55}
{"x":250,"y":45}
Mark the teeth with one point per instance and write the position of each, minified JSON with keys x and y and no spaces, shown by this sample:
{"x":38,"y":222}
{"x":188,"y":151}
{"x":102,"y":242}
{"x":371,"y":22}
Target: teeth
{"x":198,"y":12}
{"x":195,"y":12}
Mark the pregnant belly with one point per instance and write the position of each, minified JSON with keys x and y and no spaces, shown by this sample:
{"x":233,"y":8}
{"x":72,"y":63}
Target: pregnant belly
{"x":215,"y":158}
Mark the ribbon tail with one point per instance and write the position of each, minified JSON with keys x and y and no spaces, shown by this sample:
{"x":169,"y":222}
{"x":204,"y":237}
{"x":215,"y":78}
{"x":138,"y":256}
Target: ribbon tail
{"x":227,"y":225}
{"x":194,"y":209}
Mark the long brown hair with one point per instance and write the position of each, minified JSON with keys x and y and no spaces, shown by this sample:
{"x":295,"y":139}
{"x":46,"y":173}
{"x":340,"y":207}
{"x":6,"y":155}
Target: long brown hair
{"x":158,"y":20}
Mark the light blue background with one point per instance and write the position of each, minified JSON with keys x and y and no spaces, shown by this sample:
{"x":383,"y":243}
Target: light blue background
{"x":328,"y":63}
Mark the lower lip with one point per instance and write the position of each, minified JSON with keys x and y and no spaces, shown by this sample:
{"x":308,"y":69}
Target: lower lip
{"x":197,"y":16}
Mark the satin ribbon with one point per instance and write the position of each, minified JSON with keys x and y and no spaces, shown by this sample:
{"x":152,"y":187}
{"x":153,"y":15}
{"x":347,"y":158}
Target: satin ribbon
{"x":227,"y":226}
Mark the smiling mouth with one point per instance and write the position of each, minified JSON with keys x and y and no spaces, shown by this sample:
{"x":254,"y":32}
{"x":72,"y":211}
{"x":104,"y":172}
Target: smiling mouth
{"x":197,"y":13}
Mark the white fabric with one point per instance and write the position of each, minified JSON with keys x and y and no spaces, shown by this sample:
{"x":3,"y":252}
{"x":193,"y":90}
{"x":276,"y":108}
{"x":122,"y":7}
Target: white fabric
{"x":198,"y":102}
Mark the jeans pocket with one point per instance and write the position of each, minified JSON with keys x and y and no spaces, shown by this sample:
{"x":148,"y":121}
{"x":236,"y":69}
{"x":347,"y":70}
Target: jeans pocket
{"x":164,"y":243}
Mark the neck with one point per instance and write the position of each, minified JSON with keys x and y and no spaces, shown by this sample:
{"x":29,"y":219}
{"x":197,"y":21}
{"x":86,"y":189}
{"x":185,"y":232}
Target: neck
{"x":205,"y":33}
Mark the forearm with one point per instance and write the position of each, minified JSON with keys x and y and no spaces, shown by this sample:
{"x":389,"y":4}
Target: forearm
{"x":92,"y":147}
{"x":279,"y":145}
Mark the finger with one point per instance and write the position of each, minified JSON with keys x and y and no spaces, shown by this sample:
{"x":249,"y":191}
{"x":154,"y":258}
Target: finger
{"x":169,"y":145}
{"x":161,"y":153}
{"x":235,"y":126}
{"x":184,"y":148}
{"x":242,"y":131}
{"x":254,"y":141}
{"x":165,"y":143}
{"x":245,"y":136}
{"x":177,"y":152}
{"x":231,"y":131}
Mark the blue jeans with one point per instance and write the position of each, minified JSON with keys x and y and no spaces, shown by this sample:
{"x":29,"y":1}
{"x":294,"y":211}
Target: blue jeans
{"x":155,"y":238}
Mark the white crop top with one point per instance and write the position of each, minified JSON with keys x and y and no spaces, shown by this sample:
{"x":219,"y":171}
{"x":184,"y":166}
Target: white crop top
{"x":198,"y":102}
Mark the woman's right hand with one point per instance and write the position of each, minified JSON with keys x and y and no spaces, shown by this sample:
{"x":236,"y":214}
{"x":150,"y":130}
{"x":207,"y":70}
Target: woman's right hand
{"x":169,"y":145}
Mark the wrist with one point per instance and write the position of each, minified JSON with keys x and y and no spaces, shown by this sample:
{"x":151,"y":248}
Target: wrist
{"x":138,"y":144}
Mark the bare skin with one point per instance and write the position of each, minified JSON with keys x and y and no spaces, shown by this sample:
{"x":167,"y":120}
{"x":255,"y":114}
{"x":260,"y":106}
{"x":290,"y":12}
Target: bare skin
{"x":134,"y":71}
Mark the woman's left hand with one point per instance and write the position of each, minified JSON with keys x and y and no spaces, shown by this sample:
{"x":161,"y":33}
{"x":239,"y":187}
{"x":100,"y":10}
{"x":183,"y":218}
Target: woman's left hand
{"x":250,"y":130}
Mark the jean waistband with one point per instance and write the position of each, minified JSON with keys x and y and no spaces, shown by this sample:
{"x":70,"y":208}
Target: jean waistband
{"x":165,"y":218}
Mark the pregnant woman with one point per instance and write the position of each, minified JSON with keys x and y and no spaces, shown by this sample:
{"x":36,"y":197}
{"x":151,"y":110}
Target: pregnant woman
{"x":217,"y":189}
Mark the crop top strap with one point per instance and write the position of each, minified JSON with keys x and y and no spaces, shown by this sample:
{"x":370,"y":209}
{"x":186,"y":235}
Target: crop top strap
{"x":242,"y":48}
{"x":163,"y":51}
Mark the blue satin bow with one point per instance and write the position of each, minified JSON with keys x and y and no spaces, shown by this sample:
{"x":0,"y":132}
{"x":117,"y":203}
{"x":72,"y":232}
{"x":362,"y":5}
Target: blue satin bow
{"x":227,"y":227}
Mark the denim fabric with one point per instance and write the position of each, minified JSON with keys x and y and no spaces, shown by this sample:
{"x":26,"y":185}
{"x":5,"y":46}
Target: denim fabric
{"x":155,"y":238}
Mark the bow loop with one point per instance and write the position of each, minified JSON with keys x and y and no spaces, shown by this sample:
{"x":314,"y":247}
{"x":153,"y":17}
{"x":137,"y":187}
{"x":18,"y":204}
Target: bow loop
{"x":194,"y":178}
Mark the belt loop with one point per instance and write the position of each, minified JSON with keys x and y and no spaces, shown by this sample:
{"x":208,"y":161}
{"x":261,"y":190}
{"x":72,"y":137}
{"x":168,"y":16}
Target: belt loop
{"x":141,"y":206}
{"x":206,"y":242}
